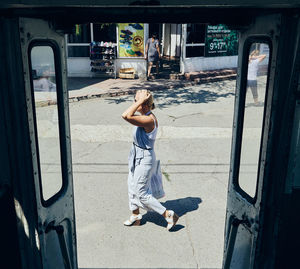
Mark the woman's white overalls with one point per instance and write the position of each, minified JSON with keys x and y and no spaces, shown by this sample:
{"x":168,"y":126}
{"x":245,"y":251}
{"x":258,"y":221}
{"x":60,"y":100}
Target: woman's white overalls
{"x":141,"y":163}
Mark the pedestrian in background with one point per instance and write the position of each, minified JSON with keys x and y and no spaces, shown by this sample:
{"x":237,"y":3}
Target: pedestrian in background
{"x":142,"y":159}
{"x":152,"y":54}
{"x":254,"y":60}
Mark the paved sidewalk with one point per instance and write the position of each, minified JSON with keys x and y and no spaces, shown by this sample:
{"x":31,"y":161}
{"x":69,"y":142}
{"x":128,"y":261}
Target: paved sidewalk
{"x":87,"y":88}
{"x":114,"y":87}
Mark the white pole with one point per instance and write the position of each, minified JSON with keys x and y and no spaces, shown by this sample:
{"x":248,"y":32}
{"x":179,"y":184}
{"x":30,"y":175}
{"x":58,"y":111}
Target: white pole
{"x":182,"y":56}
{"x":163,"y":39}
{"x":92,"y":31}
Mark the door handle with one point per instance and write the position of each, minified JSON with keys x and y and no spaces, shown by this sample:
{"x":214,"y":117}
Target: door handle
{"x":232,"y":237}
{"x":62,"y":242}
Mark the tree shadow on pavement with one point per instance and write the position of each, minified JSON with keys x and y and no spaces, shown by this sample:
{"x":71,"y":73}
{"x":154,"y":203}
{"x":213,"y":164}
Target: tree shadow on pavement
{"x":77,"y":83}
{"x":205,"y":93}
{"x":180,"y":206}
{"x":187,"y":96}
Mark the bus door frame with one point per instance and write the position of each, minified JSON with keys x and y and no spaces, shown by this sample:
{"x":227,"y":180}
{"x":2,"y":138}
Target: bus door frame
{"x":244,"y":213}
{"x":260,"y":216}
{"x":55,"y":216}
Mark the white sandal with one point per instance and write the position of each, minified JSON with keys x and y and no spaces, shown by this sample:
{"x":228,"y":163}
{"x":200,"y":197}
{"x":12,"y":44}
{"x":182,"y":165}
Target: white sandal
{"x":134,"y":220}
{"x":172,"y":219}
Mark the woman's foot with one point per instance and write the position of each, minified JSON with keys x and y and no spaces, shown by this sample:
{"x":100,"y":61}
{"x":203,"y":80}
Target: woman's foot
{"x":134,"y":220}
{"x":171,"y":218}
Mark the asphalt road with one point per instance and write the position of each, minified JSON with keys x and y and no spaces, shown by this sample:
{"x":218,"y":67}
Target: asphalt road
{"x":193,"y":144}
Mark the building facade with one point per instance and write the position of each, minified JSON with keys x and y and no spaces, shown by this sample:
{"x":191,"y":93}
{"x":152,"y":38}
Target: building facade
{"x":198,"y":47}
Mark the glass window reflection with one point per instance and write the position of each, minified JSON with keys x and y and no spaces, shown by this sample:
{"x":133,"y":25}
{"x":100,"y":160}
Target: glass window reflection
{"x":46,"y":112}
{"x":253,"y":116}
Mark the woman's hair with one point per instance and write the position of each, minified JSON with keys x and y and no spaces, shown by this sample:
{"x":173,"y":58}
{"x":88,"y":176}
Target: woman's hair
{"x":150,"y":101}
{"x":254,"y":53}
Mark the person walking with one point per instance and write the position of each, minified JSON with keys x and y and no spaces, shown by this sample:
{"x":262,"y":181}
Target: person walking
{"x":254,"y":60}
{"x":142,"y":159}
{"x":152,"y":54}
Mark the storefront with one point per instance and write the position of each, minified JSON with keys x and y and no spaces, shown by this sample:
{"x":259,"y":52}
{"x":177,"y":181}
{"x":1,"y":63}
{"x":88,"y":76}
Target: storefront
{"x":208,"y":47}
{"x":197,"y":47}
{"x":78,"y":46}
{"x":101,"y":50}
{"x":131,"y":42}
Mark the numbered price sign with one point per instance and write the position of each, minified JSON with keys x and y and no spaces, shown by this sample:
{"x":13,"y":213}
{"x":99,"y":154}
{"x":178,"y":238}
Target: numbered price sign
{"x":220,"y":41}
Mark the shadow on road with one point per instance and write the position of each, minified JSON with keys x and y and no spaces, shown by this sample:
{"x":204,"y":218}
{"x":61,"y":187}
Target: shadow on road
{"x":79,"y":83}
{"x":180,"y":206}
{"x":188,"y":96}
{"x":164,"y":96}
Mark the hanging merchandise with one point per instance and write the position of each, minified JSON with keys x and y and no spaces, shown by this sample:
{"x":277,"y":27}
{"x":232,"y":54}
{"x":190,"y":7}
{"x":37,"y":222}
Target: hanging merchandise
{"x":102,"y":55}
{"x":77,"y":29}
{"x":131,"y":40}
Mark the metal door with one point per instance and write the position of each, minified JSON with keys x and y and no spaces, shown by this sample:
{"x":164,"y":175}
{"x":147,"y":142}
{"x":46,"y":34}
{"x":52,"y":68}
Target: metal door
{"x":252,"y":132}
{"x":45,"y":74}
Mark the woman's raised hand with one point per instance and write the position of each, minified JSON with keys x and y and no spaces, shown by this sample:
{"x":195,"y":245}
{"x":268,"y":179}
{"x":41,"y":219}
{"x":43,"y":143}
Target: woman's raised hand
{"x":142,"y":95}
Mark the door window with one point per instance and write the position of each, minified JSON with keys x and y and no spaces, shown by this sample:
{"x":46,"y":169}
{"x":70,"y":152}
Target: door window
{"x":78,"y":43}
{"x":46,"y":119}
{"x":258,"y":60}
{"x":195,"y":40}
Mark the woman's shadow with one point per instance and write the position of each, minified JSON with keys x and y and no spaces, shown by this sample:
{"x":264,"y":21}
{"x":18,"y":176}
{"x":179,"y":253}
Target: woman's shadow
{"x":179,"y":206}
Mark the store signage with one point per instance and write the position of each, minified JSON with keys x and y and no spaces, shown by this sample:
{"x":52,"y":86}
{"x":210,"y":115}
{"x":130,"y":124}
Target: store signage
{"x":131,"y":40}
{"x":220,"y":41}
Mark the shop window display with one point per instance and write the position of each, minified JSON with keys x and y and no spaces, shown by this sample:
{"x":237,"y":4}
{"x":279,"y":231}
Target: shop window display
{"x":196,"y":51}
{"x":79,"y":41}
{"x":76,"y":51}
{"x":102,"y":55}
{"x":103,"y":49}
{"x":81,"y":35}
{"x":105,"y":32}
{"x":195,"y":33}
{"x":195,"y":40}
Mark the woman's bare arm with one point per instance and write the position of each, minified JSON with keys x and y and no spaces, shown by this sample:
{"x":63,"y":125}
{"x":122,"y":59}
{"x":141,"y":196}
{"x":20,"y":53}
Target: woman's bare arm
{"x":261,"y":57}
{"x":146,"y":50}
{"x":157,"y":47}
{"x":142,"y":121}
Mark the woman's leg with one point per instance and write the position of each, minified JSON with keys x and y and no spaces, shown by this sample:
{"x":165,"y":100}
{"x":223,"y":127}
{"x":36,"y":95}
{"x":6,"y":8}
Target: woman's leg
{"x":135,"y":218}
{"x":131,"y":191}
{"x":142,"y":176}
{"x":149,"y":68}
{"x":253,"y":87}
{"x":136,"y":211}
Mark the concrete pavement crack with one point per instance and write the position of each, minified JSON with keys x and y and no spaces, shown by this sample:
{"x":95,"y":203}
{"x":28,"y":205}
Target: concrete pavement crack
{"x":187,"y":225}
{"x":91,"y":151}
{"x":183,"y":116}
{"x":213,"y":174}
{"x":190,"y":239}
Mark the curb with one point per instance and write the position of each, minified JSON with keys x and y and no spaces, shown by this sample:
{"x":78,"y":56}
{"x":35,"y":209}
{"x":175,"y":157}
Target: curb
{"x":129,"y":91}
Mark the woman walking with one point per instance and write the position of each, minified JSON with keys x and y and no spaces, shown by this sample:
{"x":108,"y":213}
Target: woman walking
{"x":152,"y":54}
{"x":142,"y":159}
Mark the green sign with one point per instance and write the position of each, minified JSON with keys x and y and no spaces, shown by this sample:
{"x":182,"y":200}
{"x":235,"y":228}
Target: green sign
{"x":220,"y":41}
